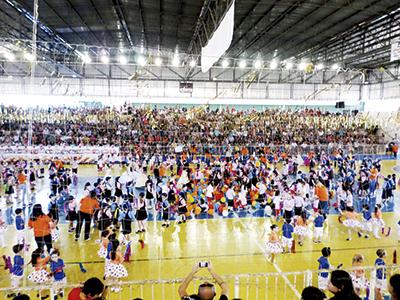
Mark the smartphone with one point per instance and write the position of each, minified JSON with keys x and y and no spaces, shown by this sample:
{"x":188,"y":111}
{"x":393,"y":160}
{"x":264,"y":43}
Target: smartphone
{"x":203,"y":264}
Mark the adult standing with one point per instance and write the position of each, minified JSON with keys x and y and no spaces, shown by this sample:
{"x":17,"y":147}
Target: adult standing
{"x":41,"y":225}
{"x":88,"y":206}
{"x":141,"y":213}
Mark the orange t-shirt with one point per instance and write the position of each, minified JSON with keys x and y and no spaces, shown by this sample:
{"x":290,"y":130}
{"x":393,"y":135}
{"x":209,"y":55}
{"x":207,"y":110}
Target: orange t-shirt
{"x":88,"y":205}
{"x":21,"y":178}
{"x":322,"y":192}
{"x":41,"y":226}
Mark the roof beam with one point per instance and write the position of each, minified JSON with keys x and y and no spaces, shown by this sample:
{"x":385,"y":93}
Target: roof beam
{"x":84,"y":22}
{"x":259,"y":20}
{"x":117,"y":6}
{"x":292,"y":48}
{"x":142,"y":21}
{"x":271,"y":25}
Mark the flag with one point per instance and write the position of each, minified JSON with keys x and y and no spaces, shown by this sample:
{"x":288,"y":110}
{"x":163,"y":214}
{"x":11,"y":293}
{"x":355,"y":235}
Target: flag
{"x":128,"y":252}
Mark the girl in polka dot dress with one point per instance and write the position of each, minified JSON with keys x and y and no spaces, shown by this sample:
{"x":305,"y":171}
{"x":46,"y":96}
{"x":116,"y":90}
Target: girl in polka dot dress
{"x":114,"y":268}
{"x":40,"y":275}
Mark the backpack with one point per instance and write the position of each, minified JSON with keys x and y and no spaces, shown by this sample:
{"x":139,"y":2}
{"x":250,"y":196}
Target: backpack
{"x":7,"y":263}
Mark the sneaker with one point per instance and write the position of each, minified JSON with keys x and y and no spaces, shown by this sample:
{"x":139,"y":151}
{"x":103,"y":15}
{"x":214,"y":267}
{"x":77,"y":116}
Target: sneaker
{"x":359,"y":234}
{"x":163,"y":225}
{"x":139,"y":231}
{"x":367,"y":236}
{"x":143,"y":230}
{"x":72,"y":229}
{"x":61,"y":294}
{"x":348,"y":239}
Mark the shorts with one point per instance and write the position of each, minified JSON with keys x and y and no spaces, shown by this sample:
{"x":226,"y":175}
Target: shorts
{"x":323,"y":282}
{"x":287,"y":242}
{"x":380,"y":284}
{"x":318,"y":231}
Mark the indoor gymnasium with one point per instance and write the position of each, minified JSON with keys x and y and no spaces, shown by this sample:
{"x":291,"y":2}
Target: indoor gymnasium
{"x":213,"y":149}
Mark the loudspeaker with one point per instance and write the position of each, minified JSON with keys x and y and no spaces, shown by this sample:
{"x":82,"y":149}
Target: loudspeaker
{"x":339,"y":104}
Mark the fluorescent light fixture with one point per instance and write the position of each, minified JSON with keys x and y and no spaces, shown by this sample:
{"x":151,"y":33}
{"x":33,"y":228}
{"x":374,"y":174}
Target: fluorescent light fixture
{"x":29,"y":56}
{"x":225,"y":63}
{"x":105,"y":59}
{"x":273,"y":65}
{"x":335,"y":66}
{"x":242,"y":64}
{"x":86,"y":58}
{"x":123,"y":60}
{"x":258,"y":64}
{"x":289,"y":65}
{"x":176,"y":62}
{"x":320,"y":66}
{"x":192,"y":63}
{"x":10,"y":56}
{"x":302,"y":66}
{"x":141,"y":60}
{"x":158,"y":61}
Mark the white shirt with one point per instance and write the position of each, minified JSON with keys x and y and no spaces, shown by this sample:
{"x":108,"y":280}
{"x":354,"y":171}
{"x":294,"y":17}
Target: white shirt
{"x":230,"y":194}
{"x":298,"y":201}
{"x":209,"y":191}
{"x":288,"y":204}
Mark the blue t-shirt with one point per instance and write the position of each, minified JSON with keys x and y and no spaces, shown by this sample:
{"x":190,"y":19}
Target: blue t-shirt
{"x":19,"y":223}
{"x":109,"y":248}
{"x":323,"y":265}
{"x":18,"y":265}
{"x":319,"y":221}
{"x":57,"y":268}
{"x":287,"y":230}
{"x":367,"y":215}
{"x":381,"y":272}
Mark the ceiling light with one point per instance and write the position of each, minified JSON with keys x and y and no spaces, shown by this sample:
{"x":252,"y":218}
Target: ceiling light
{"x":10,"y":56}
{"x":192,"y":63}
{"x":335,"y":66}
{"x":320,"y":66}
{"x":289,"y":65}
{"x":175,"y":61}
{"x":141,"y":60}
{"x":225,"y":63}
{"x":123,"y":60}
{"x":302,"y":66}
{"x":158,"y":61}
{"x":86,"y":58}
{"x":258,"y":64}
{"x":242,"y":64}
{"x":29,"y":56}
{"x":105,"y":59}
{"x":273,"y":65}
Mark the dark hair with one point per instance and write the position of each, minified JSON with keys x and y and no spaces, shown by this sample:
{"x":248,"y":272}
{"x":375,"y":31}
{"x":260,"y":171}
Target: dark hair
{"x":36,"y":212}
{"x":22,"y":297}
{"x":93,"y":286}
{"x":380,"y":253}
{"x":395,"y":283}
{"x":326,"y":251}
{"x":35,"y":255}
{"x":273,"y":227}
{"x":141,"y":195}
{"x":342,"y":280}
{"x":312,"y":293}
{"x":18,"y":211}
{"x":113,"y":255}
{"x":17,"y":248}
{"x":105,"y":233}
{"x":55,"y":251}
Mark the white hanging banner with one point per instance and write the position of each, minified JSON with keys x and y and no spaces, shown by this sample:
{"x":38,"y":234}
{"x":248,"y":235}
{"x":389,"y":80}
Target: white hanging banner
{"x":395,"y":51}
{"x":220,"y":41}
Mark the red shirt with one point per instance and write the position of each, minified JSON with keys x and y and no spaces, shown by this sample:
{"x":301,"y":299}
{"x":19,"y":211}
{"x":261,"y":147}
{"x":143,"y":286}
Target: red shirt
{"x":74,"y":294}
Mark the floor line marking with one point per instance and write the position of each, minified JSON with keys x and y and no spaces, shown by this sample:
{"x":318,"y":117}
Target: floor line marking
{"x":275,"y":265}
